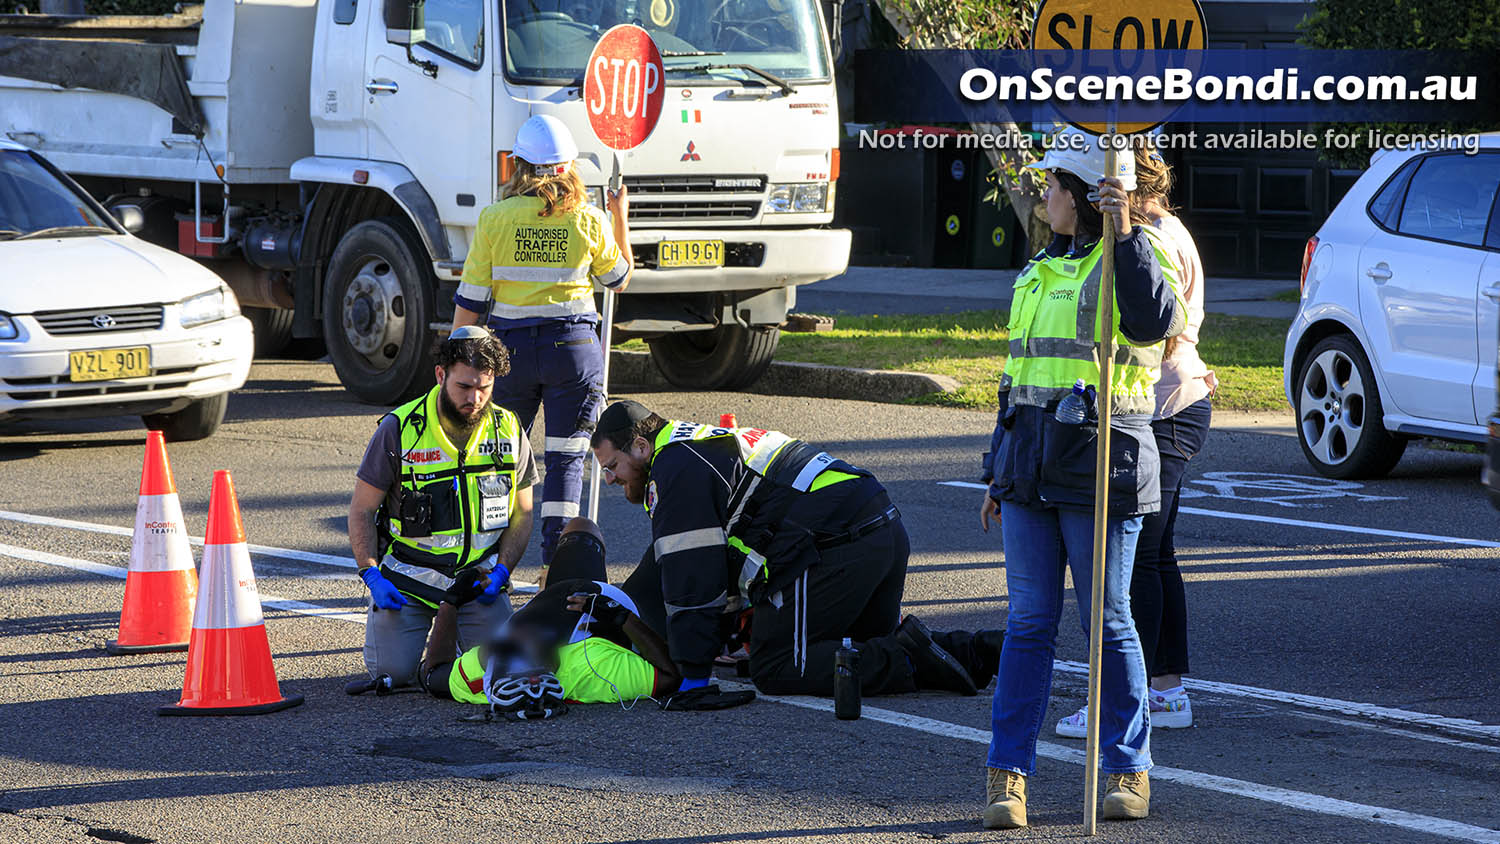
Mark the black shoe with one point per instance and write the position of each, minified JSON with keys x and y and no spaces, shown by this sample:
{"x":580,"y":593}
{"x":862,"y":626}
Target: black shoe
{"x":933,"y":667}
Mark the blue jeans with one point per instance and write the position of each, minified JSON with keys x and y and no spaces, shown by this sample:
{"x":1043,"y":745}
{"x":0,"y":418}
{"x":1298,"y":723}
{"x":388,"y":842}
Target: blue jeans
{"x":1039,"y":545}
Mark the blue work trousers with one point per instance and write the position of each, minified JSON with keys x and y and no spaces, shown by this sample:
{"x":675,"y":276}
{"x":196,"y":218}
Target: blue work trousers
{"x":1041,"y":545}
{"x":560,"y":365}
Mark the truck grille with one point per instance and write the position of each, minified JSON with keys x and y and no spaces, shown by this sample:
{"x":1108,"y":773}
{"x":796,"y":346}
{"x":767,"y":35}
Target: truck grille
{"x":690,"y":210}
{"x":688,"y":200}
{"x":644,"y":185}
{"x":101,"y":320}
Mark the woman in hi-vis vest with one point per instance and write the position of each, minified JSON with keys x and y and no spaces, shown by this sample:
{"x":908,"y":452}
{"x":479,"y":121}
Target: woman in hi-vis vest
{"x":535,"y":256}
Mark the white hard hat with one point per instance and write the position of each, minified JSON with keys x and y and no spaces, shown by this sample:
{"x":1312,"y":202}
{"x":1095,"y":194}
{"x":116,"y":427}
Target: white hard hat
{"x":1082,"y":154}
{"x":545,"y":140}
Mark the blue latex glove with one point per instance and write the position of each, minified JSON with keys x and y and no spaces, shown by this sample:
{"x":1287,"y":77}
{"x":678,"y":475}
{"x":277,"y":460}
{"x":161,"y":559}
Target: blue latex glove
{"x":689,"y":683}
{"x":498,"y":578}
{"x":385,"y":593}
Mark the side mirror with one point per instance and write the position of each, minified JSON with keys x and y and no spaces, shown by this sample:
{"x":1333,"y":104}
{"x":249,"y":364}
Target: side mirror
{"x":833,"y":15}
{"x":405,"y":21}
{"x":130,"y":217}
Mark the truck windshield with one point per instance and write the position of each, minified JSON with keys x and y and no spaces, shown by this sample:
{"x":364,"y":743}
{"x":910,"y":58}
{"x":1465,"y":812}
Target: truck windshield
{"x":33,"y":199}
{"x":549,"y":41}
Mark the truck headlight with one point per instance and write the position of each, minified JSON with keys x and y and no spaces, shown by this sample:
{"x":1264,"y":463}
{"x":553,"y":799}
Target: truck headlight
{"x":805,"y":198}
{"x":596,"y":197}
{"x":212,"y":306}
{"x":8,"y":328}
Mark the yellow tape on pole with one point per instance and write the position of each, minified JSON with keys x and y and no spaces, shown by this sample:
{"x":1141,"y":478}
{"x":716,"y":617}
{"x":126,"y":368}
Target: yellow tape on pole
{"x":1106,"y":353}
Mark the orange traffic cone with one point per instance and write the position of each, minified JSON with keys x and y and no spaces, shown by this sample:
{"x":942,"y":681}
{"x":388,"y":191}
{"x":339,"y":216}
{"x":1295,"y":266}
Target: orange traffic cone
{"x":159,"y":588}
{"x":229,"y":670}
{"x":727,"y":420}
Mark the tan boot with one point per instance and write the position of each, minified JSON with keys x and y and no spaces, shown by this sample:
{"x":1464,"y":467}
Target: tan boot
{"x":1007,"y":799}
{"x":1127,"y":797}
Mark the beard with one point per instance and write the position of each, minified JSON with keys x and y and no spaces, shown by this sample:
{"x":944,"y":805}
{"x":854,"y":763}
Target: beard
{"x":455,"y":415}
{"x":635,"y":490}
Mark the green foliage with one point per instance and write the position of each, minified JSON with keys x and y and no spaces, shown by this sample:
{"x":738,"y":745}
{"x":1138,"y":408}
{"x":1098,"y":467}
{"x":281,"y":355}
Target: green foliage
{"x":1401,"y":25}
{"x":962,"y":24}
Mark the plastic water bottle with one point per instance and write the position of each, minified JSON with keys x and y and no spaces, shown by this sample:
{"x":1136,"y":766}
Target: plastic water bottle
{"x":1074,"y":408}
{"x":846,"y":691}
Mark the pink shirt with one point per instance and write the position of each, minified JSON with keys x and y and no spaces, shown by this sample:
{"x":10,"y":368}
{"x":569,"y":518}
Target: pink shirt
{"x":1185,"y":378}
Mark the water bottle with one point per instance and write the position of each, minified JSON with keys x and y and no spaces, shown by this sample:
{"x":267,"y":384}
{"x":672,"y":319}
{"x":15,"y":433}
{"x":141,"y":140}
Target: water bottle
{"x":846,"y":682}
{"x":1074,"y":408}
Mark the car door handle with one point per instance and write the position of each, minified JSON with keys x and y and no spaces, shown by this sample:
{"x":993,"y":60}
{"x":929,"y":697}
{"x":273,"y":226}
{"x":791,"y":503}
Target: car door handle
{"x":1380,"y":272}
{"x":1493,"y":291}
{"x":382,"y":86}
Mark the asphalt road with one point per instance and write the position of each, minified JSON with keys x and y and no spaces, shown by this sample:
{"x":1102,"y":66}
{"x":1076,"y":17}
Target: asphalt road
{"x":1343,"y":638}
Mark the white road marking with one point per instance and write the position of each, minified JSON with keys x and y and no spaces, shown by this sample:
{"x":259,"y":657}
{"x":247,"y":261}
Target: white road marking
{"x":1277,"y":520}
{"x":1306,"y":801}
{"x":1279,"y":489}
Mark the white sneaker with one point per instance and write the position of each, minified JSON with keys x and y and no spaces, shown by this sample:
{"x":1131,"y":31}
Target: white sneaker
{"x":1173,"y":714}
{"x":1075,"y":725}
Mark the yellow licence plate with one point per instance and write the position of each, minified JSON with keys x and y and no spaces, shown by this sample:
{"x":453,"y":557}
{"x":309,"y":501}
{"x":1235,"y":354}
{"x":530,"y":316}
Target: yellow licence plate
{"x":690,"y":253}
{"x":108,"y":364}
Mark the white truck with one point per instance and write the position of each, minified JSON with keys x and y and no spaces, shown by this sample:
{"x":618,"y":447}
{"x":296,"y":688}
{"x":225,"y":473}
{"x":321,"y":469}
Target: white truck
{"x":329,"y":158}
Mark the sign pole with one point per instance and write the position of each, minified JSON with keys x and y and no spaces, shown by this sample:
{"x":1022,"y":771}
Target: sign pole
{"x":1106,"y":353}
{"x":606,"y":332}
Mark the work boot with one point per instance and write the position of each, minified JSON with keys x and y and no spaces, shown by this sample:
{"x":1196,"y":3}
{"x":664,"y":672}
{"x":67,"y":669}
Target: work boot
{"x":932,"y":667}
{"x":1007,"y":799}
{"x":1127,"y":797}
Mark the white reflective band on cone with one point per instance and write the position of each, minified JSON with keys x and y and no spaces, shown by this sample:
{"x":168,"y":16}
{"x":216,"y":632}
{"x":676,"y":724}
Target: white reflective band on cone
{"x":227,"y":597}
{"x":160,"y":541}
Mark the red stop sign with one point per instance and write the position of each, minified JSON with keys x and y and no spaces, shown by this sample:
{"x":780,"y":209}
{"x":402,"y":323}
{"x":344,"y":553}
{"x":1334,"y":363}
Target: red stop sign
{"x":624,"y":87}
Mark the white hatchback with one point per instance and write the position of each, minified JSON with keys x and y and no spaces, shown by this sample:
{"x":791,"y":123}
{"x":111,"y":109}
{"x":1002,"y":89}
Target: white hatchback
{"x":96,"y":322}
{"x":1396,"y":335}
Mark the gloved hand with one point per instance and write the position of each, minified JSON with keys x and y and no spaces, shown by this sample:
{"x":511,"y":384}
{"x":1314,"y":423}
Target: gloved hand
{"x":706,"y":699}
{"x":385,"y":593}
{"x":467,"y":586}
{"x":498,"y":578}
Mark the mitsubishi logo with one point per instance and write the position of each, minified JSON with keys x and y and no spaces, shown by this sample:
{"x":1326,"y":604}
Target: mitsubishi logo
{"x":691,"y":154}
{"x":104,"y":321}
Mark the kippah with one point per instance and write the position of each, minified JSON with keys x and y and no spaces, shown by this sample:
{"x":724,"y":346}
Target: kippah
{"x":621,"y":416}
{"x":469,"y":332}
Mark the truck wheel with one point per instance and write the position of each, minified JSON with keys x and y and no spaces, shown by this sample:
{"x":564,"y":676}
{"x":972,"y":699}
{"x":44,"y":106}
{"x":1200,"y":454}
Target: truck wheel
{"x":729,"y":357}
{"x":195,"y":422}
{"x":377,"y":306}
{"x":273,"y":330}
{"x":1339,"y":415}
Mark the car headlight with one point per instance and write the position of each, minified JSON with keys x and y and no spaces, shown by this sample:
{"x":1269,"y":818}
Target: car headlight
{"x":9,"y":330}
{"x":212,"y":306}
{"x":798,"y":198}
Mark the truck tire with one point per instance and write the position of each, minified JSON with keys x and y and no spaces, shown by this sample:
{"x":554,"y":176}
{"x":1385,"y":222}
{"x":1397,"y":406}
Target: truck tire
{"x":273,"y":330}
{"x":1340,"y":418}
{"x":197,"y":421}
{"x":729,"y":357}
{"x":377,"y":308}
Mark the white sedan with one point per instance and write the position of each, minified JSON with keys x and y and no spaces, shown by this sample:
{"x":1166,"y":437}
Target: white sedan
{"x":96,"y":322}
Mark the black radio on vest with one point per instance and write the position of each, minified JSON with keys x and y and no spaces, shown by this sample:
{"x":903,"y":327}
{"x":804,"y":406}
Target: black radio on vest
{"x":846,"y":682}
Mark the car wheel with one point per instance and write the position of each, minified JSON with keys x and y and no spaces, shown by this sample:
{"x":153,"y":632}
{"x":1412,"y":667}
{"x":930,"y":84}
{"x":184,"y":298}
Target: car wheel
{"x":1339,"y":414}
{"x":727,"y":358}
{"x":197,"y":421}
{"x":377,"y":310}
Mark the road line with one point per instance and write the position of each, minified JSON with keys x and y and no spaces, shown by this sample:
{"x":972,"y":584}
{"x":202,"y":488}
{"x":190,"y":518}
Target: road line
{"x":1305,"y":801}
{"x":1277,"y":520}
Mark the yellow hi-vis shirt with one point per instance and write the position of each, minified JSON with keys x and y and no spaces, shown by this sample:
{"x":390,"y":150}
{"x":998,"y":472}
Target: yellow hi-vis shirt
{"x":594,"y":670}
{"x":534,"y":268}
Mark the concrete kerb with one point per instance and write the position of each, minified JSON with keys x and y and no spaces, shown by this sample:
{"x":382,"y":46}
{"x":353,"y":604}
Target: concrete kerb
{"x":787,"y":378}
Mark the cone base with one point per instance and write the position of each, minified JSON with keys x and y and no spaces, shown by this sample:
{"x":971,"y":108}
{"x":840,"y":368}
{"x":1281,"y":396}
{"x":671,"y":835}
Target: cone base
{"x":259,"y":709}
{"x":114,"y":648}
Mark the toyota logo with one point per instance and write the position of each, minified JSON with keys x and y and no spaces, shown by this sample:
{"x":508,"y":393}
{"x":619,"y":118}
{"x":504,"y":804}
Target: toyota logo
{"x":104,"y":321}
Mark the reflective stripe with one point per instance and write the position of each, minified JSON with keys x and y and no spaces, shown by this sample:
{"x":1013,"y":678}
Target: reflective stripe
{"x":745,"y":497}
{"x":615,"y":273}
{"x":475,"y":292}
{"x":721,"y":601}
{"x":813,"y":468}
{"x":227,"y":597}
{"x":539,"y":275}
{"x":558,"y":510}
{"x":753,"y":564}
{"x":478,"y":539}
{"x":422,"y":575}
{"x":1053,"y":347}
{"x":572,"y":307}
{"x":160,"y":541}
{"x":568,"y":445}
{"x":764,"y":452}
{"x":1038,"y":396}
{"x":689,"y":540}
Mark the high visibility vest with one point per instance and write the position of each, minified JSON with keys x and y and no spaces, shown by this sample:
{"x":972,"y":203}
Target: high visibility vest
{"x":529,"y":266}
{"x":1055,"y":331}
{"x":466,"y":682}
{"x":774,"y":460}
{"x":473,"y":493}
